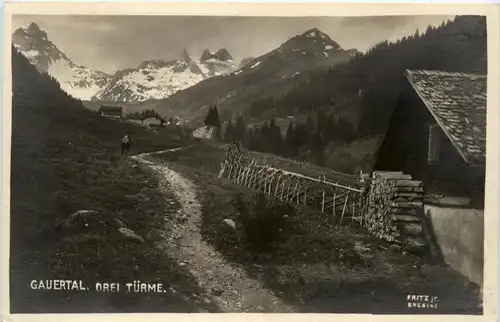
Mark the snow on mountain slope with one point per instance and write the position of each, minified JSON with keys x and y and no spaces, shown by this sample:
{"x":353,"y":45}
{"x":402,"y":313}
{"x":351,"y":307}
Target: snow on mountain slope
{"x":78,"y":81}
{"x":159,"y":79}
{"x":153,"y":80}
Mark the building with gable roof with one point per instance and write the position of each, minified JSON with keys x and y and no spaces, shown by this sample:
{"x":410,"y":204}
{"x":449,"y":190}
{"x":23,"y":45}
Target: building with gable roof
{"x":111,"y":111}
{"x":437,"y":134}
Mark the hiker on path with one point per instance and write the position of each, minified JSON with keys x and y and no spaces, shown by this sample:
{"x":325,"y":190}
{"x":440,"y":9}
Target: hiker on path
{"x":126,"y":142}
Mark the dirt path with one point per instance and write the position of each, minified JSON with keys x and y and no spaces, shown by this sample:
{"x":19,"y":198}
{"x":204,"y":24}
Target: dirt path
{"x":226,"y":284}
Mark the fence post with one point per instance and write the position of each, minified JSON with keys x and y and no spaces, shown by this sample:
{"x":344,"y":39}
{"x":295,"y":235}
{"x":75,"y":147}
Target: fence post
{"x":282,"y":190}
{"x":292,"y":195}
{"x":343,"y":210}
{"x":334,"y":200}
{"x":323,"y":197}
{"x":353,"y":202}
{"x":277,"y":185}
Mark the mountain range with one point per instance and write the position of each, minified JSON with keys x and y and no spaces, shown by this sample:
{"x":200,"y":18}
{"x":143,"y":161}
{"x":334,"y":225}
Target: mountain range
{"x":186,"y":86}
{"x":158,"y":79}
{"x":152,"y":79}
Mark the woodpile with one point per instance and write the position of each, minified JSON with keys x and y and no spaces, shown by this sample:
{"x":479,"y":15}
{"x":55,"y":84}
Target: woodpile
{"x":394,"y":208}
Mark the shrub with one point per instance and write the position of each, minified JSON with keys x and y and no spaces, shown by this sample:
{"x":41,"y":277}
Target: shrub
{"x":262,"y":221}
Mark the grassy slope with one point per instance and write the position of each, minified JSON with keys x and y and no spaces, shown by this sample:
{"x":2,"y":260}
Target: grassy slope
{"x":65,"y":158}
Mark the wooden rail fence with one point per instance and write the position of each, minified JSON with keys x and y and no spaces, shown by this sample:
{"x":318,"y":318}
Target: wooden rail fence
{"x":387,"y":203}
{"x":329,"y":197}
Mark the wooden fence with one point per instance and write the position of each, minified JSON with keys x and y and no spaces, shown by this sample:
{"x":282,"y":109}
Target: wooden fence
{"x":388,"y":204}
{"x":337,"y":199}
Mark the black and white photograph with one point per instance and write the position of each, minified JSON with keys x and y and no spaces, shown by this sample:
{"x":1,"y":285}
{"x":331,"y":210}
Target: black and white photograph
{"x":248,"y":164}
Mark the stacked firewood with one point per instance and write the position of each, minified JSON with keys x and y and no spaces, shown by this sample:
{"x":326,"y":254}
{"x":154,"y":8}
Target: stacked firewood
{"x":394,"y":209}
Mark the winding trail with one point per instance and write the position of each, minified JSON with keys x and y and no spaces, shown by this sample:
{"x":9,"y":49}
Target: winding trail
{"x":225,"y":283}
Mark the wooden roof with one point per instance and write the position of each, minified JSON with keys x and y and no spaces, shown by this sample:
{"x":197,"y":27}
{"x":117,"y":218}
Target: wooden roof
{"x":457,"y":101}
{"x":152,"y":117}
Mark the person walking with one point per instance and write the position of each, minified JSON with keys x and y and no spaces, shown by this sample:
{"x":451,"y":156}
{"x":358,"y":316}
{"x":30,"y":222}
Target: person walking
{"x":126,"y":143}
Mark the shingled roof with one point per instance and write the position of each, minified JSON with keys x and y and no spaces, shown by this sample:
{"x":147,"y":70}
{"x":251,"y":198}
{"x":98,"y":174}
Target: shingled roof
{"x":457,"y":101}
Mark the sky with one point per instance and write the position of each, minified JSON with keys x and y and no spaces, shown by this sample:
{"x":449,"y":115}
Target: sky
{"x":110,"y":43}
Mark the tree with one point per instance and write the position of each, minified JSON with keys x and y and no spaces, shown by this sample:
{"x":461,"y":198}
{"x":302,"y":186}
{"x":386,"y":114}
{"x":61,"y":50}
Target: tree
{"x":229,"y":133}
{"x":317,"y":147}
{"x":321,"y":122}
{"x":291,"y":141}
{"x":311,"y":126}
{"x":239,"y":129}
{"x":252,"y":139}
{"x":331,"y":128}
{"x":344,"y":130}
{"x":274,"y":138}
{"x":263,"y":143}
{"x":209,"y":119}
{"x":301,"y":135}
{"x":212,"y":120}
{"x":216,"y":119}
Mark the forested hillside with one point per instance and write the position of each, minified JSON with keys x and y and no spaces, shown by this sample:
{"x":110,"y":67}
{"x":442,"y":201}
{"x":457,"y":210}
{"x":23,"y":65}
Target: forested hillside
{"x":351,"y":103}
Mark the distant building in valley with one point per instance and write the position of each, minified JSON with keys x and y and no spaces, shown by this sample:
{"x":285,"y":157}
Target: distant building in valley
{"x":111,"y":111}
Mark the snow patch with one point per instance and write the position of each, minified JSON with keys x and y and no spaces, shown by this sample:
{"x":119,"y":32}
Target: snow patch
{"x":204,"y":132}
{"x":220,"y":62}
{"x":255,"y":65}
{"x":328,"y":47}
{"x":78,"y":81}
{"x":31,"y":53}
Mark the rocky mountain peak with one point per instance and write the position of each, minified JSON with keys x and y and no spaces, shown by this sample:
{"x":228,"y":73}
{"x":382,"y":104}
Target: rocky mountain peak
{"x":311,"y":42}
{"x":221,"y":55}
{"x":33,"y":28}
{"x":315,"y":33}
{"x":32,"y":41}
{"x":185,"y":56}
{"x":187,"y":63}
{"x":206,"y":55}
{"x":33,"y":32}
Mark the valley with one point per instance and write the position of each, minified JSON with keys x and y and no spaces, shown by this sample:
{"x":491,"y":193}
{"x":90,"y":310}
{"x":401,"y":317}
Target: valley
{"x":255,"y":198}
